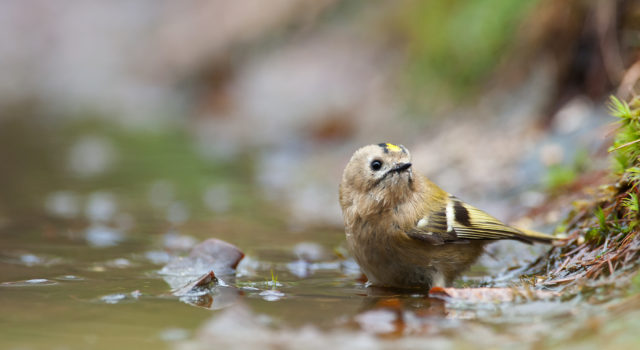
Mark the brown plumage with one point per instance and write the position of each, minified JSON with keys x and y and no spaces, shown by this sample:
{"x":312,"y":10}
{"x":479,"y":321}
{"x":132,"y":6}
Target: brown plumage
{"x":405,"y":231}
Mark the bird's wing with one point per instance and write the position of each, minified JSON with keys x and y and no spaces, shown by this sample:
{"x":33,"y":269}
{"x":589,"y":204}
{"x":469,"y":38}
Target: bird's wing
{"x":458,"y":222}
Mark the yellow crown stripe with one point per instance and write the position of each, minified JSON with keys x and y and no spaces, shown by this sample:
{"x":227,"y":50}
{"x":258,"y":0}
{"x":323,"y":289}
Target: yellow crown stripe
{"x":393,"y":147}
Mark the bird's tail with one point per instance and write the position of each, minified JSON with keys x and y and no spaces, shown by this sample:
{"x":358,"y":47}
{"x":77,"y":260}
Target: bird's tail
{"x":535,"y":236}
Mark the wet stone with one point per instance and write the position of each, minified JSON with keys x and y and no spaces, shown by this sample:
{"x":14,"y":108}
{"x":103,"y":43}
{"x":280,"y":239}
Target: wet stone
{"x":212,"y":255}
{"x":199,"y":286}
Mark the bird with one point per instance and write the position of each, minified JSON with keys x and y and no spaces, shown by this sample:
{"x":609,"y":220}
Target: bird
{"x":406,"y":232}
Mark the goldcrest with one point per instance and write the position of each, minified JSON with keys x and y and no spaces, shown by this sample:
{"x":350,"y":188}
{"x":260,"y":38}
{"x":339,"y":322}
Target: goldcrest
{"x":405,"y":231}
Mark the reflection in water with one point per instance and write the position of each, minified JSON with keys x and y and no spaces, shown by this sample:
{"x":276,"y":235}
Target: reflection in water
{"x":393,"y":312}
{"x":216,"y":298}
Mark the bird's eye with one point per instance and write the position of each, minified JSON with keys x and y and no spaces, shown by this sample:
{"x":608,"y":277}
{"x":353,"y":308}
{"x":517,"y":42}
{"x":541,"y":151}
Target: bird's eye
{"x":376,"y":165}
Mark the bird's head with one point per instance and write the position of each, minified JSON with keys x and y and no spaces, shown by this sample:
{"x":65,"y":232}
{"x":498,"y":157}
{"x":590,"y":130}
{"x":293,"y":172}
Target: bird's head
{"x":381,"y":171}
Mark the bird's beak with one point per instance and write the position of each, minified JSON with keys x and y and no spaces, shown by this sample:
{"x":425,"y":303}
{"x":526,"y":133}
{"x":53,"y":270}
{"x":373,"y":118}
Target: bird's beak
{"x":401,"y":167}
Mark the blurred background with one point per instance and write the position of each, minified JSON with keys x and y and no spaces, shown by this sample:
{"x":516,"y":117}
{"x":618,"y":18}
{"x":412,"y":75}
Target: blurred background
{"x":165,"y":113}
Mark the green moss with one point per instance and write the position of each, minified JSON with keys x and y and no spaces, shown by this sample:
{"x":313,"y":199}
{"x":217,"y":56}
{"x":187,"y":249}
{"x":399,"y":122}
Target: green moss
{"x":626,"y":146}
{"x":602,"y":233}
{"x":454,"y":45}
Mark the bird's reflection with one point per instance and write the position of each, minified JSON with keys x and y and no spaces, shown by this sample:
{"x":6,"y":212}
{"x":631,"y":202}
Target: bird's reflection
{"x":396,"y":312}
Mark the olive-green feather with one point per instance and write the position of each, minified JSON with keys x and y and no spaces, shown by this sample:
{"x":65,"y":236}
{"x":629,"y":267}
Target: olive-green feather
{"x":465,"y":222}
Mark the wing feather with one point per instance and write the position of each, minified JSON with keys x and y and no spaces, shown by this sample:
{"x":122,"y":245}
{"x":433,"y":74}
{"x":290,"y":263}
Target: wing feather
{"x":459,"y":221}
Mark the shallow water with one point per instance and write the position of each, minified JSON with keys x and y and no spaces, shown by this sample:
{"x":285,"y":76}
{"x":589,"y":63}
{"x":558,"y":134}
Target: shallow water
{"x":57,"y":291}
{"x":80,"y":261}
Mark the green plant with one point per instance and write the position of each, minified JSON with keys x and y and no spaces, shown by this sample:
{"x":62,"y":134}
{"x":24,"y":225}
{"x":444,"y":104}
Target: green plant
{"x":627,"y":140}
{"x":274,"y":280}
